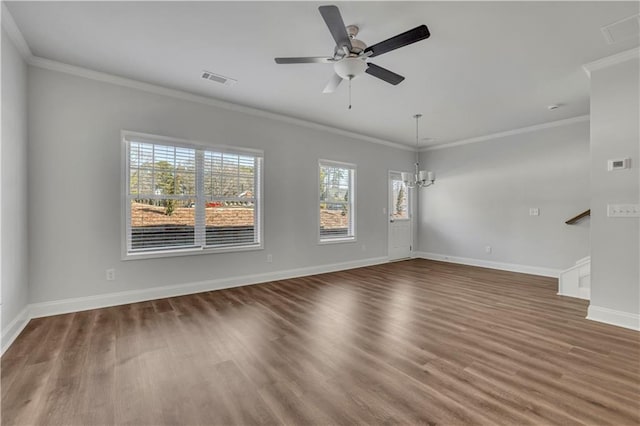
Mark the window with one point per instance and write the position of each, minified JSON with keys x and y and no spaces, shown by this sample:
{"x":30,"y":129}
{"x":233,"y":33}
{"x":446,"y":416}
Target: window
{"x":337,"y":207}
{"x":185,"y":199}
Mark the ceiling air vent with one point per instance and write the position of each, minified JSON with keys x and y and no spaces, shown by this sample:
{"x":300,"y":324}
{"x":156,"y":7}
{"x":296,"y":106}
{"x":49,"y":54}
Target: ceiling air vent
{"x":623,"y":29}
{"x":227,"y":81}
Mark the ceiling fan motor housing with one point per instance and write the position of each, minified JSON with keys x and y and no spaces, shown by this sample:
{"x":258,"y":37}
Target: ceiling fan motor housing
{"x":349,"y":68}
{"x":357,"y":46}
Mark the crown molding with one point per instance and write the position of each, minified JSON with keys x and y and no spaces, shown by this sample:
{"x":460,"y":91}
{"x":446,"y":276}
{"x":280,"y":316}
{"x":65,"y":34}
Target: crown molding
{"x":611,"y":60}
{"x":14,"y":33}
{"x":16,"y":36}
{"x":179,"y":94}
{"x":542,"y":126}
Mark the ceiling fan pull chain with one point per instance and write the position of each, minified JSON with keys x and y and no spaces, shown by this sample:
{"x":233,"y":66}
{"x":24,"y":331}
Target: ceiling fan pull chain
{"x":350,"y":92}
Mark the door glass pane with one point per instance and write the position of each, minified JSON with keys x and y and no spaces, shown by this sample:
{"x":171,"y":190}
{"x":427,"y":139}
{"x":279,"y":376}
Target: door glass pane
{"x":399,"y":200}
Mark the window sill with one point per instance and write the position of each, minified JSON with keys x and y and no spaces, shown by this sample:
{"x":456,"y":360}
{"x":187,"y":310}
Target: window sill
{"x":337,"y":240}
{"x":189,"y":252}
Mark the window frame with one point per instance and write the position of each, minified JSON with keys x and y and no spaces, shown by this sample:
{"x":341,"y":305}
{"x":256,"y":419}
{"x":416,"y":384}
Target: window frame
{"x":352,"y":202}
{"x":127,"y":136}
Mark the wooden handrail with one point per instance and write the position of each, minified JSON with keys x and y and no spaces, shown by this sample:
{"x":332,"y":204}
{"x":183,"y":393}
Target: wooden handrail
{"x":579,"y":217}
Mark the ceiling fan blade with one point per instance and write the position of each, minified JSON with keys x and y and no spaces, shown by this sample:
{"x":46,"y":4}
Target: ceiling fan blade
{"x":384,"y":74}
{"x":307,"y":60}
{"x":401,"y":40}
{"x":333,"y":83}
{"x":333,"y":19}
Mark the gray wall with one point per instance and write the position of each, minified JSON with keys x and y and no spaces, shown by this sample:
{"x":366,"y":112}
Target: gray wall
{"x":615,"y":256}
{"x":14,"y":183}
{"x":483,"y":193}
{"x":75,"y":187}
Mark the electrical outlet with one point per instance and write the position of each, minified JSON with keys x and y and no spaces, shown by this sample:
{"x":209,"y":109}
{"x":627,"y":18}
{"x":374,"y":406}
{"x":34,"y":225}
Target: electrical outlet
{"x":269,"y":258}
{"x":488,"y":249}
{"x":111,"y":274}
{"x":364,"y":247}
{"x":534,"y":211}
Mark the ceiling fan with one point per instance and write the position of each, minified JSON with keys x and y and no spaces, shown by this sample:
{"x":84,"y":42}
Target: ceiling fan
{"x":350,"y":54}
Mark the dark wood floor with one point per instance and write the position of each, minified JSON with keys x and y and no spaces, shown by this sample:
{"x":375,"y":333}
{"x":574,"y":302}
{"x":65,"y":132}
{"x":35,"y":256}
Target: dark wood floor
{"x":408,"y":342}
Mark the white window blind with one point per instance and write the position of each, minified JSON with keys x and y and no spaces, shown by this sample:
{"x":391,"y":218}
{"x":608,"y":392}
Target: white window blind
{"x":337,"y":206}
{"x":185,"y":198}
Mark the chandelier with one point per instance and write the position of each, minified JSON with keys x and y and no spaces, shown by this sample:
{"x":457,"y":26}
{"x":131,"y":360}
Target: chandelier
{"x":420,"y":178}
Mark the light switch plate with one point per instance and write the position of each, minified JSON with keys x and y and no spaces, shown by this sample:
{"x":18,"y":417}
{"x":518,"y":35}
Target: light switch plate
{"x":623,"y":210}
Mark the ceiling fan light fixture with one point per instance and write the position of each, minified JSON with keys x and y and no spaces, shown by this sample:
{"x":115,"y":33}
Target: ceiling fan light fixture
{"x":350,"y":68}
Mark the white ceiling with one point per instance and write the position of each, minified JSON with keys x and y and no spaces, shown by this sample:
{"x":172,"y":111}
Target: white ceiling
{"x":488,"y":66}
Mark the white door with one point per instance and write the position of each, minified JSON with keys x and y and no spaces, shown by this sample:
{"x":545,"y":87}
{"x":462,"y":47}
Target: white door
{"x":400,"y":231}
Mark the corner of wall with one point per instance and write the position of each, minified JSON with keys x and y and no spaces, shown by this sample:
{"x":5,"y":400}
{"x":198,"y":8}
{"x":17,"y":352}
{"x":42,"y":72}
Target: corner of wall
{"x":13,"y":182}
{"x":13,"y":329}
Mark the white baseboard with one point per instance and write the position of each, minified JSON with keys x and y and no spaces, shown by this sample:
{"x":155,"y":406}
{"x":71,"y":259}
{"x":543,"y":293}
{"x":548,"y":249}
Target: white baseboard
{"x":13,"y":330}
{"x":513,"y":267}
{"x":584,"y":296}
{"x":64,"y":306}
{"x":613,"y":317}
